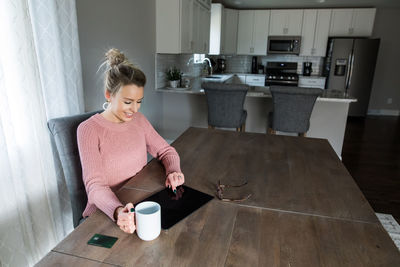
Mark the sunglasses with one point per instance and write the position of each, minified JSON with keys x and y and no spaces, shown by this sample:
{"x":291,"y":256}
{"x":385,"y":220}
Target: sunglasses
{"x":220,"y":192}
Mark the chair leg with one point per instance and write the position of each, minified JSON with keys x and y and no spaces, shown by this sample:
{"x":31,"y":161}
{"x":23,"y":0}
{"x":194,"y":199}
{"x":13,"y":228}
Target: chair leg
{"x":302,"y":134}
{"x":271,"y":131}
{"x":242,"y":128}
{"x":211,"y":127}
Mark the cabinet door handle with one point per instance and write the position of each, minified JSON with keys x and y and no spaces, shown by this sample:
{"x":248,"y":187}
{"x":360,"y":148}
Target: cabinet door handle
{"x":251,"y":49}
{"x":351,"y":30}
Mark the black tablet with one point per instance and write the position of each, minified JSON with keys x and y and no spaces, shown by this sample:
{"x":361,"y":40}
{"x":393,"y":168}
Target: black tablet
{"x":175,"y":207}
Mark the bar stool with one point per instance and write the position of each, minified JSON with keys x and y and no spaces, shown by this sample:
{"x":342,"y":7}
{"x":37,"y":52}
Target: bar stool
{"x":225,"y":105}
{"x":292,"y":107}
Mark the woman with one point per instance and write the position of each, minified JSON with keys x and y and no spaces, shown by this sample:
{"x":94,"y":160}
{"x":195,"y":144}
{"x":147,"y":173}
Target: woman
{"x":113,"y":145}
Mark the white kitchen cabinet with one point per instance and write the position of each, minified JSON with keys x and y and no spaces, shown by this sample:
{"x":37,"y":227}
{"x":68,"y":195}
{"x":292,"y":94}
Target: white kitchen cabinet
{"x":230,"y":30}
{"x":314,"y":37}
{"x":286,"y":22}
{"x":255,"y":80}
{"x":245,"y":32}
{"x":252,"y":32}
{"x":352,"y":22}
{"x":182,"y":26}
{"x":204,"y":31}
{"x":223,"y":30}
{"x":195,"y":29}
{"x":216,"y":29}
{"x":312,"y":82}
{"x":363,"y":21}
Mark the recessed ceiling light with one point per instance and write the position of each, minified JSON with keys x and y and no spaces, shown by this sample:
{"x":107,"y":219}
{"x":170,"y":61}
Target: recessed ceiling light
{"x":320,"y":1}
{"x":239,"y":2}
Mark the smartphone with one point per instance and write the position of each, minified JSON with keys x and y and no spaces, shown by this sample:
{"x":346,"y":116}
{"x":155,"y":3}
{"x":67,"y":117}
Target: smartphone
{"x":104,"y":241}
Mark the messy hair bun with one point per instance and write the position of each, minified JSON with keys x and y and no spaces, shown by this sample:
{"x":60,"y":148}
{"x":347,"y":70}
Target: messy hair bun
{"x":114,"y":57}
{"x":121,"y":72}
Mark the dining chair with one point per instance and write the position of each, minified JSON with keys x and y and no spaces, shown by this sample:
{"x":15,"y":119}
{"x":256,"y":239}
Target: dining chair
{"x":225,"y":105}
{"x":63,"y":132}
{"x":292,"y":107}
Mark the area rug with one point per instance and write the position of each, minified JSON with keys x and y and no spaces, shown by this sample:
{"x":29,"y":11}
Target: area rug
{"x":391,"y":226}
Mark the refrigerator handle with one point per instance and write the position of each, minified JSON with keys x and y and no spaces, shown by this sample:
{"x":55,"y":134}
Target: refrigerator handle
{"x":350,"y":71}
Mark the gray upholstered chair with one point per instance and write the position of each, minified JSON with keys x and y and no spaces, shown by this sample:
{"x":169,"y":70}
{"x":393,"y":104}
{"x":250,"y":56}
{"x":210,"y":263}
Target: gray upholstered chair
{"x":225,"y":105}
{"x":63,"y":132}
{"x":292,"y":107}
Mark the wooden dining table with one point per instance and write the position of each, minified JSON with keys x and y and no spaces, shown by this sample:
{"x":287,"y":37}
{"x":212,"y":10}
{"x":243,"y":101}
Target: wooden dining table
{"x":305,"y":210}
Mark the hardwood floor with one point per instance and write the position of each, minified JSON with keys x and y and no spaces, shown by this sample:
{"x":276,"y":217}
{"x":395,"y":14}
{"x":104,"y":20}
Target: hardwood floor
{"x":371,"y":153}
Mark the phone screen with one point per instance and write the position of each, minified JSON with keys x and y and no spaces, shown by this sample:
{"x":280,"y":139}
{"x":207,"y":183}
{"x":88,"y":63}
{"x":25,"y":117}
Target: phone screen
{"x":102,"y":241}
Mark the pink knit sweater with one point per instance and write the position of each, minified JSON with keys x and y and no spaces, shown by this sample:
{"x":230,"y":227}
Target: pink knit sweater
{"x":111,"y":153}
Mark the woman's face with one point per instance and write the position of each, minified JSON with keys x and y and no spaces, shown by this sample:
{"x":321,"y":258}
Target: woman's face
{"x":124,"y":103}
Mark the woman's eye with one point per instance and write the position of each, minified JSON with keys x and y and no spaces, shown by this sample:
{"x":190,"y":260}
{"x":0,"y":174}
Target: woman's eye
{"x":139,"y":102}
{"x":127,"y":102}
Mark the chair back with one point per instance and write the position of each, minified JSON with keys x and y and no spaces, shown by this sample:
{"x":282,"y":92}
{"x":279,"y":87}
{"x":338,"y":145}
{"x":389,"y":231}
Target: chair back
{"x":292,"y":108}
{"x":63,"y":131}
{"x":225,"y":104}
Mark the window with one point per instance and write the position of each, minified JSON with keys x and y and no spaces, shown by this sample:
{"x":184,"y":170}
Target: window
{"x":198,"y":58}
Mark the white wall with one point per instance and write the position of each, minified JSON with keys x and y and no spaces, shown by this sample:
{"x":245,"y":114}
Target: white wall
{"x":128,"y":25}
{"x":387,"y":76}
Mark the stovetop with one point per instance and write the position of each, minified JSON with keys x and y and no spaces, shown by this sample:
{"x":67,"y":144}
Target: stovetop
{"x":281,"y":73}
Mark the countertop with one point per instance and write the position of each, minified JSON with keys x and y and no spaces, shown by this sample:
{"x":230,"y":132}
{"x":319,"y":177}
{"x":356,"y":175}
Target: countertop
{"x":255,"y":91}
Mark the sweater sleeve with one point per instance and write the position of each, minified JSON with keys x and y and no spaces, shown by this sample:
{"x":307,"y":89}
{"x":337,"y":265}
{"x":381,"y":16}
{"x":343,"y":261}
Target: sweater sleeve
{"x":98,"y":191}
{"x":160,"y":149}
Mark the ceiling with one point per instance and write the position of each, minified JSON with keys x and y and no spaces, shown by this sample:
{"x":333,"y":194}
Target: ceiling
{"x":255,"y":4}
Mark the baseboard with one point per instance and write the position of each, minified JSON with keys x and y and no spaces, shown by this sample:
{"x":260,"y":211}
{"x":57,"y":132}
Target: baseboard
{"x":384,"y":112}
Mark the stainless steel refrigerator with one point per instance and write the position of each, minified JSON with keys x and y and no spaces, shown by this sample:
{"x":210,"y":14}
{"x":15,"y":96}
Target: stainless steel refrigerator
{"x":349,"y":67}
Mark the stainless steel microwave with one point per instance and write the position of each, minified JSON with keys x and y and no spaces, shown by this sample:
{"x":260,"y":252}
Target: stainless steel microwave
{"x":284,"y":45}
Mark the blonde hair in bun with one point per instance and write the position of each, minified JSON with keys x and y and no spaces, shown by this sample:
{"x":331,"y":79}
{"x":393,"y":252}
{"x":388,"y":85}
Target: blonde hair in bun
{"x":114,"y":57}
{"x":120,"y":72}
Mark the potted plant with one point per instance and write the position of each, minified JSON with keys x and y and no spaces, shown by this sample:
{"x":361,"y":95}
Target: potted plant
{"x":174,"y":75}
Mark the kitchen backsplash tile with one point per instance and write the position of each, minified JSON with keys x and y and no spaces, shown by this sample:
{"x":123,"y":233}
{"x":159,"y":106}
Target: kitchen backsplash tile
{"x":234,"y":64}
{"x":239,"y":64}
{"x":184,"y":62}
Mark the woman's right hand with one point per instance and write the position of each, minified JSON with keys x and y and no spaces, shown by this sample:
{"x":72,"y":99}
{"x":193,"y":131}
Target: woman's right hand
{"x":126,"y":219}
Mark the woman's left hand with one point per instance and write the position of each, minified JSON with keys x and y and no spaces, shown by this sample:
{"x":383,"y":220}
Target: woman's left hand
{"x":174,"y":179}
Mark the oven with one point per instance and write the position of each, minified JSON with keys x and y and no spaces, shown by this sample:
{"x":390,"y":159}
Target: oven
{"x":281,"y":73}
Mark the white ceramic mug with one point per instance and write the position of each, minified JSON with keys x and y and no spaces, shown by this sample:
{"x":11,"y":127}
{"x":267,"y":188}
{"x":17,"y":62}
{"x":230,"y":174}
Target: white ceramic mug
{"x":148,"y":220}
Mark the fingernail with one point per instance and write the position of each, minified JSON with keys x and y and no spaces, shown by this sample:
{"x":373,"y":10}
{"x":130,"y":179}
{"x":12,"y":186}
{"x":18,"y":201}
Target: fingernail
{"x":132,"y":210}
{"x":175,"y":191}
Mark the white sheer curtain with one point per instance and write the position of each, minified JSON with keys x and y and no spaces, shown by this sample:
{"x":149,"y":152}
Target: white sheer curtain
{"x":40,"y":78}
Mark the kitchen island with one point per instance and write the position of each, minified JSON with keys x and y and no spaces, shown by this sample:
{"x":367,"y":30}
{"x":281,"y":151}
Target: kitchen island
{"x":184,"y":107}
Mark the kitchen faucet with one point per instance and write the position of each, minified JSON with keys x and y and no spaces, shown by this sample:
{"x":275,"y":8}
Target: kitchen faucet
{"x":209,"y":65}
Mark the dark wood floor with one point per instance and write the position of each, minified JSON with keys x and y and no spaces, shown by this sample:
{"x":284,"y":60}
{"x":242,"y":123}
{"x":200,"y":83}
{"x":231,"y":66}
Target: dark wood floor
{"x":371,"y":153}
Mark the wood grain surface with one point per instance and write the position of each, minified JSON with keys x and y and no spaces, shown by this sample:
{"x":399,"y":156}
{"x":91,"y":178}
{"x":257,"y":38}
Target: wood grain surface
{"x":269,"y":238}
{"x":58,"y":259}
{"x":283,"y":172}
{"x":201,"y":239}
{"x":305,"y":209}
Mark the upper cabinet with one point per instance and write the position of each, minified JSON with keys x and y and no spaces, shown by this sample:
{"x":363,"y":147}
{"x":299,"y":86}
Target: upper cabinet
{"x":352,"y":22}
{"x":314,"y":37}
{"x":252,"y":32}
{"x":223,"y":30}
{"x":216,"y":30}
{"x":203,"y":25}
{"x":286,"y":22}
{"x":182,"y":26}
{"x":230,"y":31}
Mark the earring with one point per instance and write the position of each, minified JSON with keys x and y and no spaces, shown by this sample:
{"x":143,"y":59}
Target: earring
{"x":106,"y":105}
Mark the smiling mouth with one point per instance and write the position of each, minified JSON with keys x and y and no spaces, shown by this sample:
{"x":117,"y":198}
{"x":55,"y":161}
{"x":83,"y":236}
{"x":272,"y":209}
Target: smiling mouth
{"x":129,"y":115}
